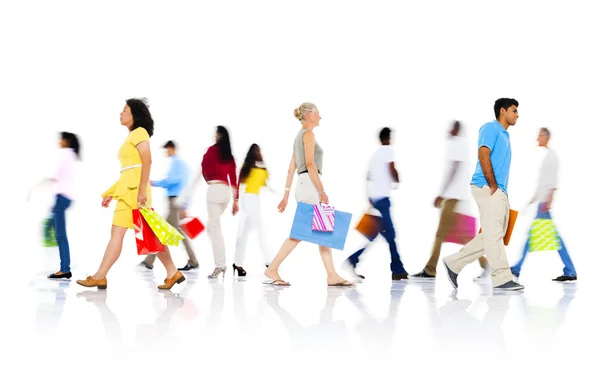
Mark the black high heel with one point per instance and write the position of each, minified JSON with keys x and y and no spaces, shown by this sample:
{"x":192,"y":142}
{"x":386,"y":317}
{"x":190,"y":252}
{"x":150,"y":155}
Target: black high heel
{"x":240,"y":271}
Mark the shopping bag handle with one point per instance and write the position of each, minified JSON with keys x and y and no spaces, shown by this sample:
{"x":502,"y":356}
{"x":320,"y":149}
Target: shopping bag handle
{"x":321,"y":204}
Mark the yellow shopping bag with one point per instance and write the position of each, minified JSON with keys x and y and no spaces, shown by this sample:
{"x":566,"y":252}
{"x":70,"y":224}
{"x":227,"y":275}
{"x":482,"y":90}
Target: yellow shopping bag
{"x":543,"y":236}
{"x":166,"y":233}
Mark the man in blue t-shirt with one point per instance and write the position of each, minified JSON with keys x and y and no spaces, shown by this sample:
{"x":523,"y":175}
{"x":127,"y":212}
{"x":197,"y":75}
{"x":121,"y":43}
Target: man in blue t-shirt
{"x":174,"y":183}
{"x":489,"y":188}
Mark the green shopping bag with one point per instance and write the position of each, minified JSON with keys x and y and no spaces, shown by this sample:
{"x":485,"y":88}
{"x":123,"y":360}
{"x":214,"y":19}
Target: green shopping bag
{"x":48,"y":236}
{"x":166,"y":233}
{"x":543,"y":236}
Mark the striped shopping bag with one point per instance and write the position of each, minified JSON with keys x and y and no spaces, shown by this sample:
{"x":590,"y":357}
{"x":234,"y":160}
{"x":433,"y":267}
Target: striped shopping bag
{"x":323,"y":218}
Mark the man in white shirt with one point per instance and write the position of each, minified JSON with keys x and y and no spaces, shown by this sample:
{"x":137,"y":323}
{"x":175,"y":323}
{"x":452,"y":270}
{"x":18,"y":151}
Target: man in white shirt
{"x":547,"y":184}
{"x":381,"y":177}
{"x":455,"y":188}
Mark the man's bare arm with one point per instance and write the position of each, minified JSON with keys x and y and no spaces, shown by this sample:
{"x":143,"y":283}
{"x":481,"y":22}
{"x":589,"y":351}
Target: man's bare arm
{"x":486,"y":167}
{"x":394,"y":172}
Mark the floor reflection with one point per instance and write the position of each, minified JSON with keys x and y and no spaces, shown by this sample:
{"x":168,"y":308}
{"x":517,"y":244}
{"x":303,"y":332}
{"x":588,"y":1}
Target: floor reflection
{"x":326,"y":339}
{"x":396,"y":323}
{"x":111,"y":324}
{"x":48,"y":315}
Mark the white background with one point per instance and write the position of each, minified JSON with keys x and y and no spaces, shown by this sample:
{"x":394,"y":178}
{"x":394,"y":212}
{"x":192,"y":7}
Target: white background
{"x":412,"y":66}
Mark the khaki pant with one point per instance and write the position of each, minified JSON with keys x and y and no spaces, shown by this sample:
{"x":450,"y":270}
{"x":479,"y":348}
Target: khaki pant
{"x":173,"y":220}
{"x":494,"y":213}
{"x":217,"y":198}
{"x":447,"y":223}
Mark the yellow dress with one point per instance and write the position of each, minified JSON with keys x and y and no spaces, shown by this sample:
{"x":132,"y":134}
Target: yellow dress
{"x":125,"y":190}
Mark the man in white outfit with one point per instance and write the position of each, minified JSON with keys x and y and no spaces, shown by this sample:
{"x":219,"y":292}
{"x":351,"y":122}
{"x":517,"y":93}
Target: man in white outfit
{"x":382,"y":176}
{"x":455,"y":188}
{"x":547,"y":184}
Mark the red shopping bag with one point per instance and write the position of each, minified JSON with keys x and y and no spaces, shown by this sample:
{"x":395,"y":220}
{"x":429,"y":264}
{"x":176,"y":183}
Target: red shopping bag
{"x":147,"y":242}
{"x":191,"y":226}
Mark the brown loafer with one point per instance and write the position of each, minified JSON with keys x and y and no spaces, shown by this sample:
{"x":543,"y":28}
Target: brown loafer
{"x":90,"y":282}
{"x":169,"y":282}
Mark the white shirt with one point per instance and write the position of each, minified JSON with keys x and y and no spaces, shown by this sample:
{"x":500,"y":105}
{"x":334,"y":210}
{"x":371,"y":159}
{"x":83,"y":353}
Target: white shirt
{"x":379,"y":176}
{"x":457,"y":150}
{"x":548,"y":179}
{"x":64,"y":178}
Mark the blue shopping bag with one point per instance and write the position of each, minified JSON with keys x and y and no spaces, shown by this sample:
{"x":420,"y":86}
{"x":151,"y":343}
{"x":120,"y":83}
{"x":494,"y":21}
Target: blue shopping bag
{"x":302,"y":228}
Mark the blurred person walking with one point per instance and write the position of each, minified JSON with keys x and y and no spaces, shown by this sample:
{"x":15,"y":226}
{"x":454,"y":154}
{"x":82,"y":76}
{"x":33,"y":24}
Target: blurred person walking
{"x":382,"y":175}
{"x":176,"y":180}
{"x":547,"y":185}
{"x":219,"y":171}
{"x":64,"y":188}
{"x":454,"y":190}
{"x":254,"y":176}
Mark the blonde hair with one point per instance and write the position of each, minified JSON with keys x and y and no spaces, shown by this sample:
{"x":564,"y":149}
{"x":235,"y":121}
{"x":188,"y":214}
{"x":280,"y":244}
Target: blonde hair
{"x":300,"y":111}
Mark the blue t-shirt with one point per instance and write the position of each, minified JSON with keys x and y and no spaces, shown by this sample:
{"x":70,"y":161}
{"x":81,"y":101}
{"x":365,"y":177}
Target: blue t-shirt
{"x":493,"y":136}
{"x":177,"y":178}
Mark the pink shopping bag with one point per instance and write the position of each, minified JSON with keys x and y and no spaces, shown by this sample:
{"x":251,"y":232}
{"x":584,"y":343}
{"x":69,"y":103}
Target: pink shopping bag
{"x":323,"y":218}
{"x":464,"y":230}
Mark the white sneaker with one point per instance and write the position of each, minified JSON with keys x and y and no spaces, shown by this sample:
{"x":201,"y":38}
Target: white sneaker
{"x":484,"y":276}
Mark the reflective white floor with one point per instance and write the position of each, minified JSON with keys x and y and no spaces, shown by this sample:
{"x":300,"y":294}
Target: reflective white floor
{"x":240,"y":326}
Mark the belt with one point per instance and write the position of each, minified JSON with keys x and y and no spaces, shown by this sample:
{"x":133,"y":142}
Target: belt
{"x":299,"y":173}
{"x":131,"y":167}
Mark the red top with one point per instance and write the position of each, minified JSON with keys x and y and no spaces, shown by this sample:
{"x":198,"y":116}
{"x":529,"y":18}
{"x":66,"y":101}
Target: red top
{"x":213,"y":168}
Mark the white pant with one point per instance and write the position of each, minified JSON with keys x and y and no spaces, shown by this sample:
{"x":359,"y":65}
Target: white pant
{"x":217,"y":199}
{"x":251,"y":219}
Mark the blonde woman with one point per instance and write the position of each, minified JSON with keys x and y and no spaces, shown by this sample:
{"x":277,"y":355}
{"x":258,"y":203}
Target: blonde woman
{"x":307,"y":161}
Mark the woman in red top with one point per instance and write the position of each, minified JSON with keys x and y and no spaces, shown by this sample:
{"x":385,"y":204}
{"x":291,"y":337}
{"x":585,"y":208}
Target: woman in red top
{"x":218,"y":169}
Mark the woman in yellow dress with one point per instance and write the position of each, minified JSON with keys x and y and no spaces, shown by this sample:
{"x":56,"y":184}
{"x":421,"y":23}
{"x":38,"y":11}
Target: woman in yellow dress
{"x":135,"y":158}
